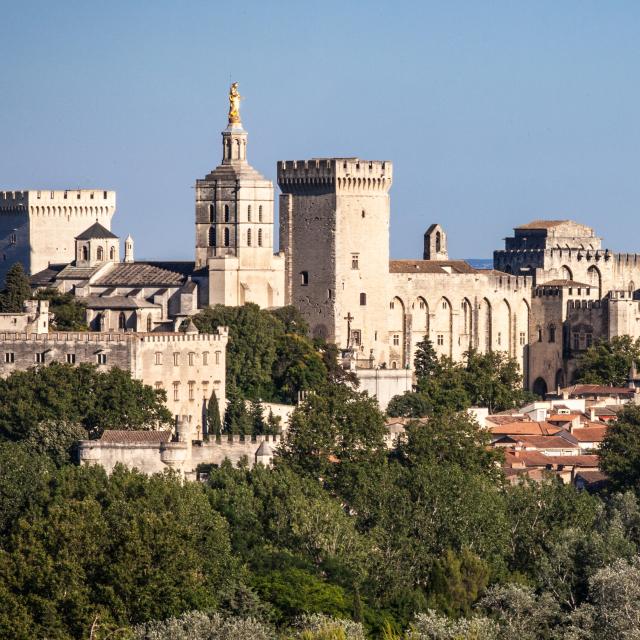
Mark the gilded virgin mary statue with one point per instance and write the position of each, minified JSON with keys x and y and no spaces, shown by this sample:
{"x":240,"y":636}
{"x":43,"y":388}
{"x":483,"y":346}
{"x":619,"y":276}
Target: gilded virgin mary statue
{"x":234,"y":104}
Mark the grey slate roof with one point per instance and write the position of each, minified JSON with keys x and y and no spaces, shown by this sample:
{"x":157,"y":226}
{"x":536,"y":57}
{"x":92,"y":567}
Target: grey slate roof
{"x":46,"y":276}
{"x":141,"y":274}
{"x":117,"y":302}
{"x":96,"y":230}
{"x":71,"y":272}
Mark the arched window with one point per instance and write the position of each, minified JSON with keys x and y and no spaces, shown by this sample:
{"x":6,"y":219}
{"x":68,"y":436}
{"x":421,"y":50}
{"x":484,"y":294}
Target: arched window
{"x":249,"y":213}
{"x":227,"y":215}
{"x":85,"y":253}
{"x":259,"y":237}
{"x":212,"y":236}
{"x":438,"y":242}
{"x":100,"y":254}
{"x":212,"y":213}
{"x":552,"y":333}
{"x":260,"y":213}
{"x":248,"y":237}
{"x":226,"y":236}
{"x":122,"y":321}
{"x":149,"y":324}
{"x":363,"y":299}
{"x":304,"y":278}
{"x":112,"y":253}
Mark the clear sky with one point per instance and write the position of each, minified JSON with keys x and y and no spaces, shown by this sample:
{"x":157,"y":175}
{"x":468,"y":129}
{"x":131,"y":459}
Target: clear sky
{"x":493,"y":112}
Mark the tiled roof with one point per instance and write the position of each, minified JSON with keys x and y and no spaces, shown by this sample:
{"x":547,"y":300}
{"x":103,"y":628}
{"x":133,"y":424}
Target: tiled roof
{"x":506,"y":419}
{"x":96,"y":230}
{"x":120,"y":436}
{"x":574,"y":461}
{"x":71,"y":272}
{"x":117,"y":302}
{"x":140,"y":274}
{"x":430,"y":266}
{"x":596,"y":389}
{"x":46,"y":276}
{"x":545,"y":442}
{"x":590,"y":434}
{"x":523,"y":428}
{"x":542,"y":224}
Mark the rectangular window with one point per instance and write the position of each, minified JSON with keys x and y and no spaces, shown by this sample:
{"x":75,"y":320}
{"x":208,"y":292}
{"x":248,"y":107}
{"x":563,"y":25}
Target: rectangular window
{"x":10,"y":357}
{"x":39,"y":357}
{"x":192,"y":390}
{"x":176,"y":359}
{"x":102,"y":358}
{"x":71,"y":358}
{"x":158,"y":386}
{"x":355,"y":261}
{"x":440,"y":340}
{"x":192,"y":358}
{"x":576,"y":341}
{"x":205,"y":389}
{"x":552,"y":334}
{"x":356,"y":337}
{"x":589,"y":340}
{"x":158,"y":357}
{"x":176,"y":391}
{"x":363,"y":299}
{"x":205,"y":358}
{"x":522,"y":338}
{"x":499,"y":338}
{"x":304,"y":278}
{"x":217,"y":357}
{"x":396,"y":340}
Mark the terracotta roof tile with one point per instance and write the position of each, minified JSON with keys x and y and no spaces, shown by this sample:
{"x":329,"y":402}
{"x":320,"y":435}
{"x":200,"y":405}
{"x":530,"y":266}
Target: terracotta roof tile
{"x":121,"y":436}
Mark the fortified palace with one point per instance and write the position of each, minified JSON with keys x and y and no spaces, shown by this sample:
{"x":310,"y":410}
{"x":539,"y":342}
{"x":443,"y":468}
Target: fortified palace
{"x":552,"y":292}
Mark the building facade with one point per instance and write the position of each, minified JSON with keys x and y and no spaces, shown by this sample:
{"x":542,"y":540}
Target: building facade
{"x":38,"y":227}
{"x":235,"y":226}
{"x":188,"y":366}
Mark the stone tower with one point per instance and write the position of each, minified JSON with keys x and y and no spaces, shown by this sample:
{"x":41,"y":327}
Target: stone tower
{"x":334,"y":228}
{"x":234,"y":225}
{"x":435,"y":243}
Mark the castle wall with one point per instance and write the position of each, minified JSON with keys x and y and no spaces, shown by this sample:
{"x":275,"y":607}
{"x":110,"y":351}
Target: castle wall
{"x":47,"y":223}
{"x":184,"y":457}
{"x":187,"y":366}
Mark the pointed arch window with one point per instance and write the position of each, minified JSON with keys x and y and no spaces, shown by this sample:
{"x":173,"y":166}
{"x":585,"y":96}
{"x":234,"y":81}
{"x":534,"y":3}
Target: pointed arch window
{"x":227,"y":215}
{"x":248,"y":237}
{"x":100,"y":254}
{"x":149,"y":324}
{"x":226,"y":236}
{"x":112,"y":254}
{"x":212,"y":213}
{"x":85,"y":253}
{"x":260,"y":213}
{"x":212,"y":236}
{"x":122,"y":321}
{"x":249,"y":213}
{"x":259,"y":237}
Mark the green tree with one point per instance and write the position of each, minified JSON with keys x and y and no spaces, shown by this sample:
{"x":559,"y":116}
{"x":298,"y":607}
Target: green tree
{"x":256,"y":415}
{"x":493,"y":380}
{"x":214,"y":424}
{"x":236,"y":417}
{"x":69,"y":313}
{"x":620,"y":450}
{"x":425,"y":361}
{"x":608,"y":362}
{"x":409,"y":405}
{"x":292,"y":320}
{"x":16,"y":290}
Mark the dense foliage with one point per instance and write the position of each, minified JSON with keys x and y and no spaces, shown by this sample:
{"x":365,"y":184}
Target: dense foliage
{"x":16,"y":290}
{"x":49,"y":408}
{"x":609,"y":362}
{"x":68,"y":312}
{"x":489,"y":380}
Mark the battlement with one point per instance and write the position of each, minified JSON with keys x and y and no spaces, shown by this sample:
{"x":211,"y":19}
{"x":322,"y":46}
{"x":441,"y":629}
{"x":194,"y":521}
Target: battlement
{"x":111,"y":337}
{"x":348,"y":174}
{"x":583,"y":304}
{"x":45,"y":202}
{"x":238,"y":439}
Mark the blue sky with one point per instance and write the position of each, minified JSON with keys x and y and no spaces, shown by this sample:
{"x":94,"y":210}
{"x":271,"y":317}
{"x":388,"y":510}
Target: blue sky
{"x":493,"y":113}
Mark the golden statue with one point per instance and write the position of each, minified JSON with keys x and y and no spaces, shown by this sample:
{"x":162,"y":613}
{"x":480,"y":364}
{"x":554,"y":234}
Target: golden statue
{"x":234,"y":104}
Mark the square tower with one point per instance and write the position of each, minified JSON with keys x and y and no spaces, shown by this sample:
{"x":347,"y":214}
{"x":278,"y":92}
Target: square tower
{"x":334,"y":229}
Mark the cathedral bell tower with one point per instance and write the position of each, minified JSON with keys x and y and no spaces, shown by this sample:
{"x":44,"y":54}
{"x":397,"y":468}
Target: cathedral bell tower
{"x":234,"y":221}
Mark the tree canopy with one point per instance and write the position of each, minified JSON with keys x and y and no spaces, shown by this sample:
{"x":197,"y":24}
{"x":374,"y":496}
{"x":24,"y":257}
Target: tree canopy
{"x":608,"y":361}
{"x":16,"y":290}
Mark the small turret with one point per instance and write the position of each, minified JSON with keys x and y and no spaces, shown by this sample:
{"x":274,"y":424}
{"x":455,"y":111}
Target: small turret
{"x":128,"y":249}
{"x":435,"y":243}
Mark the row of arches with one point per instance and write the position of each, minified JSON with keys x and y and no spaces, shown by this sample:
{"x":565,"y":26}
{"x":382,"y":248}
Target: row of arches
{"x":84,"y":254}
{"x":226,"y":237}
{"x":226,"y":213}
{"x":454,"y":328}
{"x":593,"y":277}
{"x":64,"y":210}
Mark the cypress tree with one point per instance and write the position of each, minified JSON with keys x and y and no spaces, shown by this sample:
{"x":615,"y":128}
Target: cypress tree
{"x":16,"y":290}
{"x":214,"y":424}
